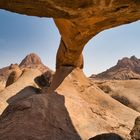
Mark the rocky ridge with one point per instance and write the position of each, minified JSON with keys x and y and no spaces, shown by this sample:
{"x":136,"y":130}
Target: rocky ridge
{"x":77,"y":21}
{"x":125,"y":69}
{"x":75,"y":110}
{"x":10,"y":74}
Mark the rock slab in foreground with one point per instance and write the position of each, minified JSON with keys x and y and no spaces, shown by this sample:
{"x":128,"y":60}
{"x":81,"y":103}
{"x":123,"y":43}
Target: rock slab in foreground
{"x":44,"y":117}
{"x":77,"y":110}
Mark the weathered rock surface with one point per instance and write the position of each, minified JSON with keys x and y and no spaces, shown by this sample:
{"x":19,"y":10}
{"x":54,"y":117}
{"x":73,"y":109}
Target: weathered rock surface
{"x":2,"y":85}
{"x":124,"y":91}
{"x":76,"y":110}
{"x":87,"y":110}
{"x":5,"y":72}
{"x":26,"y":80}
{"x":135,"y":133}
{"x":77,"y":21}
{"x":33,"y":61}
{"x":126,"y":69}
{"x":10,"y":74}
{"x":14,"y":76}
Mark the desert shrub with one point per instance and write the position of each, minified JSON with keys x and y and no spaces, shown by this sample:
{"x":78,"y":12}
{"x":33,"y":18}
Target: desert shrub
{"x":121,"y":99}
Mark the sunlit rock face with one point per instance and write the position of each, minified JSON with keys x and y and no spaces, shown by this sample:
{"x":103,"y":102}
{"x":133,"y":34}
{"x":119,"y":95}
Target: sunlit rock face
{"x":77,"y":110}
{"x":10,"y":74}
{"x":13,"y":77}
{"x":52,"y":115}
{"x":6,"y":72}
{"x":77,"y":21}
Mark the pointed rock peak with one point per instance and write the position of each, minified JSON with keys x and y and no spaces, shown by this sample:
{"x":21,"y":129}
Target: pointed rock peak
{"x":126,"y":68}
{"x":123,"y":61}
{"x":31,"y":59}
{"x":134,"y":57}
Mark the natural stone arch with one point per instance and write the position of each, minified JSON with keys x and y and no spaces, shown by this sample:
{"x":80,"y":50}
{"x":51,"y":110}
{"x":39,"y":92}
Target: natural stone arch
{"x":78,"y":22}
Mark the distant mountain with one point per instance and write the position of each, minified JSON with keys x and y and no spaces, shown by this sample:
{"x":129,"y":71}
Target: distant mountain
{"x":125,"y":69}
{"x":32,"y":61}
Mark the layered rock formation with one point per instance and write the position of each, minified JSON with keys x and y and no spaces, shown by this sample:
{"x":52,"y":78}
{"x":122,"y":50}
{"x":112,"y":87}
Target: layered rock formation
{"x":126,"y":69}
{"x":76,"y":110}
{"x":26,"y":80}
{"x":17,"y":77}
{"x":85,"y":114}
{"x":4,"y":72}
{"x":10,"y":74}
{"x":77,"y":21}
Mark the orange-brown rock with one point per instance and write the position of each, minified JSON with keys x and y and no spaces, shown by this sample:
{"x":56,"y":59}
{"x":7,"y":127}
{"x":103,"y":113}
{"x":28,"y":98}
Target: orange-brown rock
{"x":5,"y":72}
{"x":27,"y":79}
{"x":76,"y":110}
{"x":14,"y":76}
{"x":10,"y":74}
{"x":77,"y":21}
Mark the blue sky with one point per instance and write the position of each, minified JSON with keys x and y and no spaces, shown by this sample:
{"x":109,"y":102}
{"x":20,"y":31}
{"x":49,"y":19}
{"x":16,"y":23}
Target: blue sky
{"x":21,"y":35}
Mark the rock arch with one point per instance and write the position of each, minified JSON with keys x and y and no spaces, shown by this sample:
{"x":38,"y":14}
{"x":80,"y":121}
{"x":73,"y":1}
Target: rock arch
{"x":77,"y":21}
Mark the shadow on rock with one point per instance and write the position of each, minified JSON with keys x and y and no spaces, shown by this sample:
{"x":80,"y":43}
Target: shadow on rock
{"x":24,"y":94}
{"x":44,"y":80}
{"x":40,"y":117}
{"x":107,"y":136}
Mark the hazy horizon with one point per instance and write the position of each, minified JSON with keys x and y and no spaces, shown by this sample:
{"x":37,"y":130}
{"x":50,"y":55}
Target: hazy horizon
{"x":21,"y":35}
